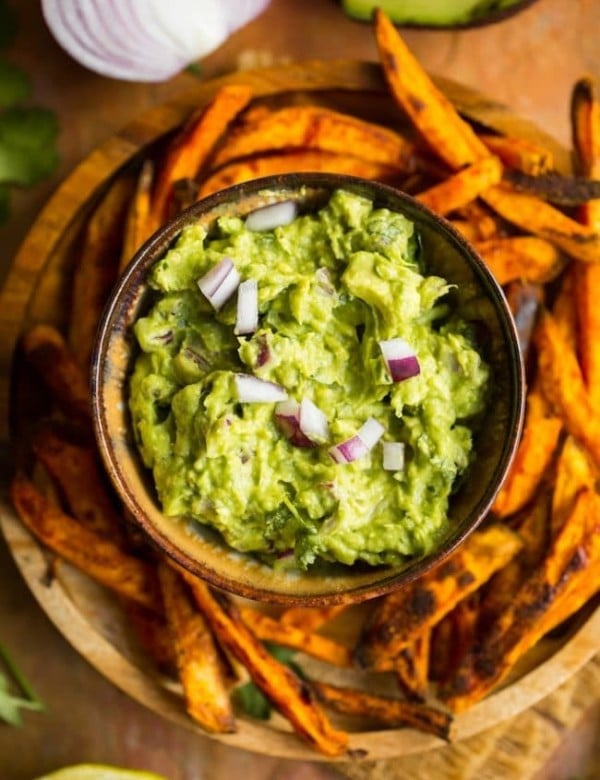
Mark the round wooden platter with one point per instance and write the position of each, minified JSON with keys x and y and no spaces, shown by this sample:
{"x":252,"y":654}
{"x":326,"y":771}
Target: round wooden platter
{"x":37,"y":290}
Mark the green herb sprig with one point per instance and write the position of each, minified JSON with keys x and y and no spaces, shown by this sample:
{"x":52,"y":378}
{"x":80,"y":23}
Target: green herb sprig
{"x":12,"y":703}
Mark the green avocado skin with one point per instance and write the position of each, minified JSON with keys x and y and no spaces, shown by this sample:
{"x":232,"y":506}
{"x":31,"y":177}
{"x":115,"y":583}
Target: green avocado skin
{"x":331,"y":284}
{"x":430,"y":13}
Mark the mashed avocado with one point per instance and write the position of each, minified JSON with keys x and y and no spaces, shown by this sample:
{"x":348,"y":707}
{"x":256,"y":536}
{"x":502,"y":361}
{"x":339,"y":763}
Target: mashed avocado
{"x":331,"y":285}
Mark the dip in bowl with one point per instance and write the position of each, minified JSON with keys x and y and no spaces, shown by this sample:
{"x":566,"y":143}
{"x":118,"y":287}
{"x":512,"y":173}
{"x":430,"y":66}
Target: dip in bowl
{"x":314,"y":403}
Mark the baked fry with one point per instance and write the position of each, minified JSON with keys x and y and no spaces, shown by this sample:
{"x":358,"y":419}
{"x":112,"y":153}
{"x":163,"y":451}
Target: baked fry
{"x":152,"y":633}
{"x":288,"y":693}
{"x":534,"y":455}
{"x":574,"y":472}
{"x":199,"y":664}
{"x":75,"y":469}
{"x":318,"y":128}
{"x":563,"y":384}
{"x":138,"y":224}
{"x":294,"y":162}
{"x":270,"y":630}
{"x":530,"y":615}
{"x":535,"y":216}
{"x":411,"y":666}
{"x":463,"y":187}
{"x":563,"y":309}
{"x":387,"y":711}
{"x":47,"y":351}
{"x":311,"y":618}
{"x":192,"y":148}
{"x":98,"y":557}
{"x":585,"y":121}
{"x":449,"y":137}
{"x":527,"y":258}
{"x":97,"y":268}
{"x":520,"y":153}
{"x":401,"y":616}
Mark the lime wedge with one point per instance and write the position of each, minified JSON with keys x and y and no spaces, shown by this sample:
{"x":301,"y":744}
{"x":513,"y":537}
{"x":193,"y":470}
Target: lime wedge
{"x":99,"y":772}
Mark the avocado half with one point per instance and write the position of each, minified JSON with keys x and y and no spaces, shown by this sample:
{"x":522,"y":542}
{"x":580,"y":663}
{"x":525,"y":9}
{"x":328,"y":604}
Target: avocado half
{"x":436,"y":13}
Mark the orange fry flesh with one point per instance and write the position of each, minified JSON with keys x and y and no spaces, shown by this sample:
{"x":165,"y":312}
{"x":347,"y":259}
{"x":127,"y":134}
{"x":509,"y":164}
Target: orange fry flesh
{"x":527,"y":258}
{"x":138,"y":224}
{"x":520,"y":153}
{"x":311,"y":618}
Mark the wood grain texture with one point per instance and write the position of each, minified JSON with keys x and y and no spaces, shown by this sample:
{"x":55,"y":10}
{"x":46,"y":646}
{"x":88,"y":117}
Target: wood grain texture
{"x":35,"y":290}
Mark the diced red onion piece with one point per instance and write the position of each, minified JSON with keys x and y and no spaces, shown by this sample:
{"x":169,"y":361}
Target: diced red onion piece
{"x":287,"y":416}
{"x":270,"y":217}
{"x":393,"y":455}
{"x":313,"y":422}
{"x":247,"y":308}
{"x":251,"y":389}
{"x":400,"y":359}
{"x":219,"y":284}
{"x":360,"y":444}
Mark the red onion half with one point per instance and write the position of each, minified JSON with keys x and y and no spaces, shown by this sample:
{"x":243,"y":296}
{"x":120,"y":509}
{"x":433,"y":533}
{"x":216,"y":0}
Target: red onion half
{"x":400,"y":359}
{"x":360,"y":444}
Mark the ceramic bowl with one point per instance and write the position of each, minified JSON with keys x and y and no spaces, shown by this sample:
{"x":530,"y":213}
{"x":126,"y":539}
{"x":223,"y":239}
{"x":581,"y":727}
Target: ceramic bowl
{"x":204,"y":554}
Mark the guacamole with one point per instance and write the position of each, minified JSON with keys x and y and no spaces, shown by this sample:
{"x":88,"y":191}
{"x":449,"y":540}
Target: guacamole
{"x":335,"y":286}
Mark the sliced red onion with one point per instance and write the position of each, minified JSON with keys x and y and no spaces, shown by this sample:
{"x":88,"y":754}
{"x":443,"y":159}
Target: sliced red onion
{"x":270,"y":217}
{"x":393,"y":455}
{"x":287,"y":417}
{"x":252,"y":390}
{"x":313,"y":422}
{"x":144,"y":40}
{"x":219,"y":284}
{"x":358,"y":445}
{"x":247,"y":308}
{"x":400,"y":358}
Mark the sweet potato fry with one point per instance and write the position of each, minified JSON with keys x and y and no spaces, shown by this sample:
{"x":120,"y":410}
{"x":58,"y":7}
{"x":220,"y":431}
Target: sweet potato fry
{"x":406,"y":613}
{"x":47,"y":351}
{"x":463,"y":187}
{"x":530,"y":615}
{"x":534,"y":455}
{"x":535,"y":216}
{"x":299,"y":161}
{"x":520,"y":153}
{"x":319,"y":128}
{"x":574,"y":472}
{"x":152,"y":633}
{"x":563,"y":309}
{"x":75,"y":469}
{"x":192,"y":148}
{"x":387,"y":711}
{"x":198,"y":662}
{"x":488,"y":224}
{"x":98,"y":557}
{"x":311,"y":618}
{"x":527,"y":258}
{"x":468,"y":230}
{"x":449,"y":137}
{"x":585,"y":121}
{"x":138,"y":224}
{"x":97,"y":267}
{"x":411,"y":666}
{"x":563,"y":385}
{"x":288,"y":693}
{"x":270,"y":630}
{"x":440,"y":651}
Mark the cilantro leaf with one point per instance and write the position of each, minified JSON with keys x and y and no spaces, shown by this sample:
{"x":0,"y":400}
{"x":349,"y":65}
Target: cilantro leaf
{"x":27,"y":152}
{"x":11,"y":704}
{"x":251,"y":699}
{"x":8,"y":24}
{"x":14,"y":85}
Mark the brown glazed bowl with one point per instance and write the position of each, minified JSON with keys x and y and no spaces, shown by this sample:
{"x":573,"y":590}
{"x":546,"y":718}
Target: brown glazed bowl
{"x":206,"y":555}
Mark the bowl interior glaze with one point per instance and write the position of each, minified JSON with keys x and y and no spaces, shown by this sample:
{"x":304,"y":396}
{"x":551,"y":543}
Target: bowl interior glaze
{"x":479,"y":299}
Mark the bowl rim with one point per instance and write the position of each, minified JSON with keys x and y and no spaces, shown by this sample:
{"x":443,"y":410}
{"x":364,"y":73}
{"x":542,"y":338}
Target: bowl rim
{"x":153,"y":249}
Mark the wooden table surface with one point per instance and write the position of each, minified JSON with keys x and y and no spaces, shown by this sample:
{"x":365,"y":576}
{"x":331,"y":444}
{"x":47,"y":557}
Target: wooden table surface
{"x":529,"y":62}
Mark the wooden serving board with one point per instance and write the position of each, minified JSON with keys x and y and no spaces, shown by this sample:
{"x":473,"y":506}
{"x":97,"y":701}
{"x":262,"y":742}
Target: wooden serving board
{"x":36,"y":290}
